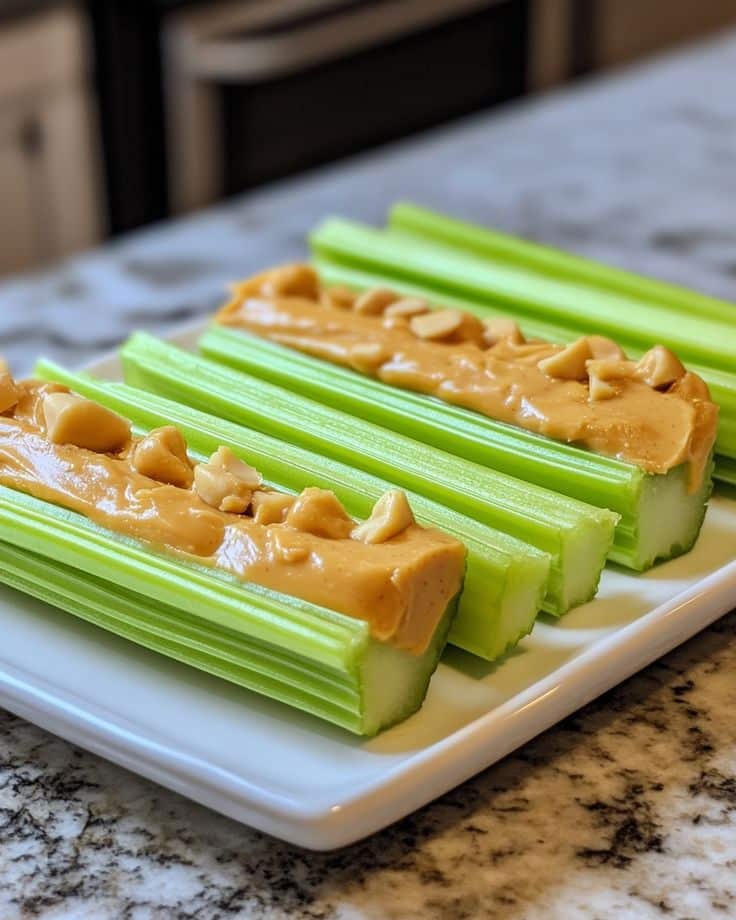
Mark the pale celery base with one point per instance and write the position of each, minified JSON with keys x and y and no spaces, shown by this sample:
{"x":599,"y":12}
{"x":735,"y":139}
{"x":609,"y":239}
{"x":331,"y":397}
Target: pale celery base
{"x":491,"y":637}
{"x":394,"y":683}
{"x":582,"y":558}
{"x":668,"y":520}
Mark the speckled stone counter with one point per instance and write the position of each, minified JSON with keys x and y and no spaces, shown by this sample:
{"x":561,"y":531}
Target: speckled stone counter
{"x":627,"y":809}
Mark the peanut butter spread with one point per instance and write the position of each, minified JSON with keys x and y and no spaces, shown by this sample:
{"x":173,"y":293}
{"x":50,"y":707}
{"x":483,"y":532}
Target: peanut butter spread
{"x":651,"y":413}
{"x":388,"y":571}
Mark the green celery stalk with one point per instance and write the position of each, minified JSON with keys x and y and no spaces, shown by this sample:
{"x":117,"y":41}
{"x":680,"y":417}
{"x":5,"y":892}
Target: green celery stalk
{"x":577,"y":536}
{"x":722,"y":384}
{"x":552,"y":262}
{"x":360,"y":279}
{"x":505,"y":580}
{"x":281,"y":647}
{"x":644,"y":502}
{"x":398,"y":254}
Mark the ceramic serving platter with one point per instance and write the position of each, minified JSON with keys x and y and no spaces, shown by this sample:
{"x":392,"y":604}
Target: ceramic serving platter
{"x":299,"y":779}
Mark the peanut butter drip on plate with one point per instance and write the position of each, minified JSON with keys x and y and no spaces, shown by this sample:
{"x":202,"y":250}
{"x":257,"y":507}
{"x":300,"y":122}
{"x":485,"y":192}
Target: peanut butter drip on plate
{"x":392,"y":573}
{"x":652,"y":413}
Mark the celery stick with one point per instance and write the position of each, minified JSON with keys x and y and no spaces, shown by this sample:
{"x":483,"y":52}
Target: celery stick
{"x":505,"y":581}
{"x":360,"y":279}
{"x":503,"y":247}
{"x":577,"y":536}
{"x":722,"y":384}
{"x":319,"y":661}
{"x":446,"y":270}
{"x":641,"y":499}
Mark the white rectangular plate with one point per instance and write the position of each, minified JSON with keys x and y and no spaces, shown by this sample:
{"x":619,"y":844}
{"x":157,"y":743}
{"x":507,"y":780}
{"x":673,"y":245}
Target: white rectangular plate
{"x":295,"y":777}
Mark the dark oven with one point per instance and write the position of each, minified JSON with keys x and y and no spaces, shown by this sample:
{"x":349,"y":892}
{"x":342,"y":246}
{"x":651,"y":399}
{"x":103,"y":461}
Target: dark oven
{"x":201,"y":100}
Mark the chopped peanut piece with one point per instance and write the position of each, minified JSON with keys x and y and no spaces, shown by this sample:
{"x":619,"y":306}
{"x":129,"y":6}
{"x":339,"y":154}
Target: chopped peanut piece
{"x":220,"y":489}
{"x":9,"y":392}
{"x":162,"y":455}
{"x":375,"y":301}
{"x":367,"y":356}
{"x":391,"y":516}
{"x":319,"y":511}
{"x":226,"y":460}
{"x":225,"y":482}
{"x":610,"y":368}
{"x":501,"y":327}
{"x":448,"y":326}
{"x":659,"y":367}
{"x":440,"y":324}
{"x":690,"y":387}
{"x":295,"y":280}
{"x":70,"y":419}
{"x":600,"y":389}
{"x":602,"y":347}
{"x":407,"y":306}
{"x":271,"y":507}
{"x":568,"y":364}
{"x":341,"y":298}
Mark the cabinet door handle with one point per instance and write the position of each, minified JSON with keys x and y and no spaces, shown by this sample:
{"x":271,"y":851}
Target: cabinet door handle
{"x":335,"y":32}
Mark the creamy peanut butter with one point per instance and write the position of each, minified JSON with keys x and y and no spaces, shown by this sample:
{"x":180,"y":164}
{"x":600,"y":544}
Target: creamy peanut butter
{"x":400,"y":586}
{"x":651,"y":413}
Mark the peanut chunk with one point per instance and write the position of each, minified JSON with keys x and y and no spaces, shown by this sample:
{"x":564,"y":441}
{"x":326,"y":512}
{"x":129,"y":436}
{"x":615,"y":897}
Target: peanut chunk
{"x":270,"y":507}
{"x":691,"y":387}
{"x":341,"y":298}
{"x":9,"y":392}
{"x":610,"y":368}
{"x":600,"y":389}
{"x":568,"y":364}
{"x":440,"y":324}
{"x":451,"y":326}
{"x":407,"y":307}
{"x":220,"y":489}
{"x":375,"y":301}
{"x":294,"y":280}
{"x":162,"y":455}
{"x":319,"y":512}
{"x":659,"y":367}
{"x":367,"y":356}
{"x":225,"y":482}
{"x":391,"y":516}
{"x":499,"y":328}
{"x":226,"y":460}
{"x":71,"y":419}
{"x":602,"y":347}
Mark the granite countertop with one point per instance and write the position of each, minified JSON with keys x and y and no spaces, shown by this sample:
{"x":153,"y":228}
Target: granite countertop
{"x":626,"y":809}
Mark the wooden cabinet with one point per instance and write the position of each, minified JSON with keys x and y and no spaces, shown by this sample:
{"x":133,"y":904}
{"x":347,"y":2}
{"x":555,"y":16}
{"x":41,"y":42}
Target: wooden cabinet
{"x":624,"y":30}
{"x":569,"y":38}
{"x":49,"y":161}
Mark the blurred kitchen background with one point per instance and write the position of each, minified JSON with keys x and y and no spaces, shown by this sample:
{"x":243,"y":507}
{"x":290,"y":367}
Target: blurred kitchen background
{"x":117,"y":113}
